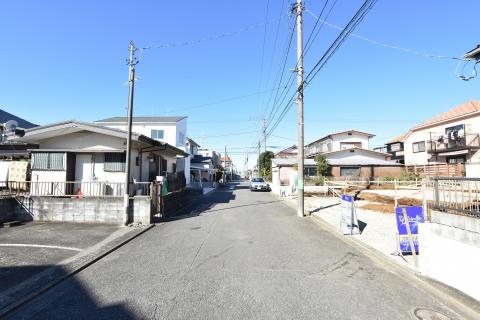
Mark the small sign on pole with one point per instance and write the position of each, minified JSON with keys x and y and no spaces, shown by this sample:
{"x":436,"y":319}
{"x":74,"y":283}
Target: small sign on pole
{"x":349,"y":223}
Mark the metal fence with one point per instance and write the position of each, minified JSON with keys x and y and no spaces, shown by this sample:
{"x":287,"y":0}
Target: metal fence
{"x":78,"y":189}
{"x":457,"y":195}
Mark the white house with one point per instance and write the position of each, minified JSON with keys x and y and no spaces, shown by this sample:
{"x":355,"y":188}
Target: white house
{"x":168,"y":129}
{"x":452,"y":137}
{"x":339,"y":141}
{"x":85,"y":153}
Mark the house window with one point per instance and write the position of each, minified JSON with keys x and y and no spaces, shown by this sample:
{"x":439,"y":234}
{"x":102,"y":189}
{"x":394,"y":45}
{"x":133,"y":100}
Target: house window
{"x":395,"y":147}
{"x":418,"y":146}
{"x":310,"y":171}
{"x":156,"y":134}
{"x":456,"y":159}
{"x":52,"y":161}
{"x":350,"y":171}
{"x":114,"y":162}
{"x":349,"y":145}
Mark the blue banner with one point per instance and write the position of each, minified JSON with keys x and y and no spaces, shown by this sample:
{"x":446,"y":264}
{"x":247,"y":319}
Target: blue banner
{"x":414,"y":217}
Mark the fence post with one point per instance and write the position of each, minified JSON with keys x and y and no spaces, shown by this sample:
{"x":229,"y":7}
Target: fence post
{"x":395,"y":194}
{"x":436,"y":195}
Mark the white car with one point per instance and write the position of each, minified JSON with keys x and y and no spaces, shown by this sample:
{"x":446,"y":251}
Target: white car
{"x":258,"y":184}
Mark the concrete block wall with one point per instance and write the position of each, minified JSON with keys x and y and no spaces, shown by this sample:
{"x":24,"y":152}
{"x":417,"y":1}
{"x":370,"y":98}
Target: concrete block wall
{"x":450,"y":251}
{"x":87,"y":210}
{"x":140,"y":210}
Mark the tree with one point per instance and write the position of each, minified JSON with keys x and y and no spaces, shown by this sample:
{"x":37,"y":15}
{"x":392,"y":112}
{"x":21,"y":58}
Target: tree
{"x":266,"y":164}
{"x":322,"y":165}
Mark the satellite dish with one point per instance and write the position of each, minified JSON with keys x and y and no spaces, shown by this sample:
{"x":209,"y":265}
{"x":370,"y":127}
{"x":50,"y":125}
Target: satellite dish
{"x":10,"y":125}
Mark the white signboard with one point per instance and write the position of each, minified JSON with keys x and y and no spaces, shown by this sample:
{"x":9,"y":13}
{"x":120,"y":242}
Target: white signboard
{"x":349,"y":223}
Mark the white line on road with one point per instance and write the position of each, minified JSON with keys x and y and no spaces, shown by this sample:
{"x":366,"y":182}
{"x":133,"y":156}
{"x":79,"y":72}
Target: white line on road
{"x":38,"y":246}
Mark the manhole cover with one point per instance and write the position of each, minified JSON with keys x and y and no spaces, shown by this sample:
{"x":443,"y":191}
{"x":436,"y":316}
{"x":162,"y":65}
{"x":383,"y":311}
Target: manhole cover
{"x":425,"y":314}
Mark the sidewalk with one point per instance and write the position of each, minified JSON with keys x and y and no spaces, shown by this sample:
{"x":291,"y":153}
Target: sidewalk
{"x":379,"y":229}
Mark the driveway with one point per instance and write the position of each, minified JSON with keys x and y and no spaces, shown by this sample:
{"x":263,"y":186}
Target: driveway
{"x":31,"y":248}
{"x":236,"y":255}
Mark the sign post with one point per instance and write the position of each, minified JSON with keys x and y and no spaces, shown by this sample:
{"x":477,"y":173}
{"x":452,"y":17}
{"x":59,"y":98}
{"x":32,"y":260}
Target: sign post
{"x":349,"y":223}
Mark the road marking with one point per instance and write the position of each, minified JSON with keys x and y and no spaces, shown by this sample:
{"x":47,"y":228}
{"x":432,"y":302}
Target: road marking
{"x":38,"y":246}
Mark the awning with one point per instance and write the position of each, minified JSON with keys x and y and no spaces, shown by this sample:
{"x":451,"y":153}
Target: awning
{"x":453,"y":153}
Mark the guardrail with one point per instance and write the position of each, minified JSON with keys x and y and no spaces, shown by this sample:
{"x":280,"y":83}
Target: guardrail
{"x":457,"y":195}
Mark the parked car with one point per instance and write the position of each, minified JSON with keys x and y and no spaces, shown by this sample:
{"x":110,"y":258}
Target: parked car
{"x":258,"y":184}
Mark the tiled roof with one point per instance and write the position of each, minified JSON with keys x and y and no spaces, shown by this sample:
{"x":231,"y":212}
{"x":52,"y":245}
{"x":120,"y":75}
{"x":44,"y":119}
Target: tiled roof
{"x":461,"y":110}
{"x":397,"y":138}
{"x":223,"y":159}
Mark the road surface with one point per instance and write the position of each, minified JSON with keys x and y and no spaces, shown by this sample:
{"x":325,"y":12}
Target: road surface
{"x":235,"y":255}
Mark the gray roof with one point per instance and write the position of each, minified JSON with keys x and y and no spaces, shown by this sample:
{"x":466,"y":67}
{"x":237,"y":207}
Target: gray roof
{"x":144,"y":119}
{"x":292,"y":161}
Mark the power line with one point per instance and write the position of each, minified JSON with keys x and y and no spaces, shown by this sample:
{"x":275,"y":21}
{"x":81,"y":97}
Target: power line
{"x":224,"y":100}
{"x":351,"y":25}
{"x":210,"y":38}
{"x":382,"y":44}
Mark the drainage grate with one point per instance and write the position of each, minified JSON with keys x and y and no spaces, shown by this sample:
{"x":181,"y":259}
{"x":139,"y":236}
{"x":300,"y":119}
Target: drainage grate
{"x":425,"y":314}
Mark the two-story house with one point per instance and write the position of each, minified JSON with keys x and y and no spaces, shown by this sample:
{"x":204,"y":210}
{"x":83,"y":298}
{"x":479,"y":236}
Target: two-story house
{"x":167,"y":129}
{"x":338,"y":141}
{"x":396,"y":149}
{"x":452,"y":137}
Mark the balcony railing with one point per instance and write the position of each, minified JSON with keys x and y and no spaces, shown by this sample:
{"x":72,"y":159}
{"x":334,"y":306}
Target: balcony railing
{"x":445,"y":143}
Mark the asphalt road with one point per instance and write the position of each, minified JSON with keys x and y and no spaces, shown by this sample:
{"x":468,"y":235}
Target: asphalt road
{"x":236,"y":255}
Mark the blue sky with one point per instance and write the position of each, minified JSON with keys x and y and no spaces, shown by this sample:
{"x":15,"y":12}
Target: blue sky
{"x":66,"y":60}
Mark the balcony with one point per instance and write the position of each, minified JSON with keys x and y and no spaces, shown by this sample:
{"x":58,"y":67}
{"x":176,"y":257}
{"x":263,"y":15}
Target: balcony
{"x":445,"y":143}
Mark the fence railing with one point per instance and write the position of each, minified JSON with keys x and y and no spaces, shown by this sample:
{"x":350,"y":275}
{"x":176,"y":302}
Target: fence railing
{"x":78,"y":189}
{"x":457,"y":195}
{"x":435,"y":170}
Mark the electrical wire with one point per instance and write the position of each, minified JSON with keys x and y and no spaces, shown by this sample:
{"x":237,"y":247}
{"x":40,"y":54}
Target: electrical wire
{"x":210,"y":38}
{"x":382,"y":44}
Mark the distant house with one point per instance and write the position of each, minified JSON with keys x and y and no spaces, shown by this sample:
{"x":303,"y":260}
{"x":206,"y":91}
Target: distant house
{"x":449,"y":140}
{"x":347,"y":154}
{"x":290,"y":152}
{"x":168,"y":129}
{"x":338,"y":141}
{"x":396,"y":148}
{"x":84,"y":153}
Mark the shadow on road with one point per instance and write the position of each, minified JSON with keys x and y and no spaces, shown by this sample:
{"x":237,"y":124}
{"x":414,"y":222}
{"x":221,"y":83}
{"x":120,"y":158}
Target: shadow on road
{"x":69,"y":299}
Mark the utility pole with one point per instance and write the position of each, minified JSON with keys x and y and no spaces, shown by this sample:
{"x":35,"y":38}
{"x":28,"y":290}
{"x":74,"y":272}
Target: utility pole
{"x":299,"y":70}
{"x":225,"y":165}
{"x":258,"y":162}
{"x":265,"y":134}
{"x":131,"y":81}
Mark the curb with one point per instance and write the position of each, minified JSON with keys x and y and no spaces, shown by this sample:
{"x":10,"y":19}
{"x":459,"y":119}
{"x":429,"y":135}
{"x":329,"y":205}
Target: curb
{"x":55,"y":275}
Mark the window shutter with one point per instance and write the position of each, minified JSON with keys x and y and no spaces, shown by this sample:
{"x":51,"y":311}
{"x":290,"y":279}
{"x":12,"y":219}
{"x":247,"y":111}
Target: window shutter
{"x":56,"y":161}
{"x":40,"y":161}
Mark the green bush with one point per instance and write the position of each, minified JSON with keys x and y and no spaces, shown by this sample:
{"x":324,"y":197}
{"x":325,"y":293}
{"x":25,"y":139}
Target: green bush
{"x":319,"y":181}
{"x":388,"y":178}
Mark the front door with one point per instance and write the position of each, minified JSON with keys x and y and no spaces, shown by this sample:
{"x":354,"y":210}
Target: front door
{"x":153,"y":169}
{"x":84,"y":173}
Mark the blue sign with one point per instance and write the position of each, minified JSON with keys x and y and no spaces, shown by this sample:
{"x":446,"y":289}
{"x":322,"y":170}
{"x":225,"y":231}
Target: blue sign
{"x":414,"y":217}
{"x":349,"y":223}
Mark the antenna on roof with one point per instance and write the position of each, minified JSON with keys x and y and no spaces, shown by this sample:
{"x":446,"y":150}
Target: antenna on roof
{"x":10,"y":125}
